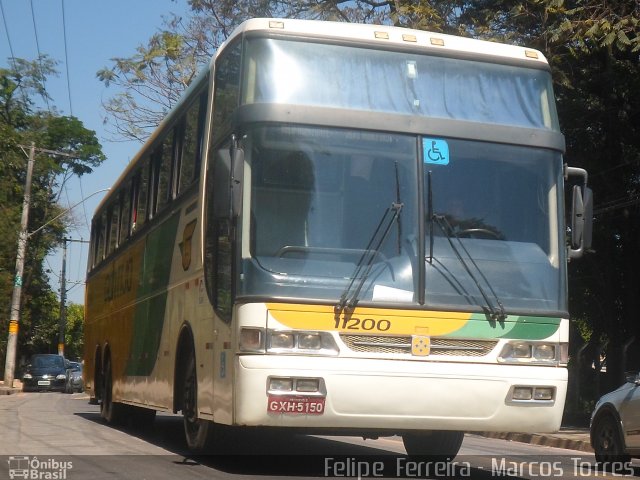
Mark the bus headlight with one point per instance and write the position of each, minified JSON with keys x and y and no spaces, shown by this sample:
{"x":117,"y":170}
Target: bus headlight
{"x":532,"y":352}
{"x":282,"y":340}
{"x":312,"y":343}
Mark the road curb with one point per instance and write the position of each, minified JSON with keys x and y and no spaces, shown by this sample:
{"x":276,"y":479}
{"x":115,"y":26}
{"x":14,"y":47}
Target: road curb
{"x":541,"y":439}
{"x":9,"y":390}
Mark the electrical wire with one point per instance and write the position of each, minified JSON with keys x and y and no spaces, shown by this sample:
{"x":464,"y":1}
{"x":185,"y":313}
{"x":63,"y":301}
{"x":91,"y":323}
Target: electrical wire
{"x":66,"y":57}
{"x":44,"y":84}
{"x":13,"y":55}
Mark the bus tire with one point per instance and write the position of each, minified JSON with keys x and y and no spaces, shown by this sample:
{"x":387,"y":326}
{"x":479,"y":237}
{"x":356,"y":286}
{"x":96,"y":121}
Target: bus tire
{"x":436,"y":445}
{"x":198,"y":432}
{"x":112,"y":412}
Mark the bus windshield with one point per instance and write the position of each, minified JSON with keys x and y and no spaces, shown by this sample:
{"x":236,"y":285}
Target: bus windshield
{"x":339,"y":76}
{"x":317,"y":196}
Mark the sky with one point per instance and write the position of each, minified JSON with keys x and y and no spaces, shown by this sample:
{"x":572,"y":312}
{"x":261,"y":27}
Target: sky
{"x":96,"y":32}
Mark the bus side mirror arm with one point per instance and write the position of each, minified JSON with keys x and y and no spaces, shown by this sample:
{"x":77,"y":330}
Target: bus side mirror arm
{"x":581,"y":214}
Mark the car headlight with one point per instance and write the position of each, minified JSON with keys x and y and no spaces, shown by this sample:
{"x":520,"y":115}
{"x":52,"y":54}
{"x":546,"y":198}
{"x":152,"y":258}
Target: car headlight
{"x":27,"y":376}
{"x":61,"y":376}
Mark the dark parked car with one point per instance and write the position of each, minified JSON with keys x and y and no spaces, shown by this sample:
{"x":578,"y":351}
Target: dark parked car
{"x":74,"y":377}
{"x":45,"y":372}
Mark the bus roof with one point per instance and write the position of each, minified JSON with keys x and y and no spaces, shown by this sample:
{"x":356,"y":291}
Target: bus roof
{"x":359,"y":32}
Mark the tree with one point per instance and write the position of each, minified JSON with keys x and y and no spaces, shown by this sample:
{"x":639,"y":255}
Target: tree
{"x":21,"y":123}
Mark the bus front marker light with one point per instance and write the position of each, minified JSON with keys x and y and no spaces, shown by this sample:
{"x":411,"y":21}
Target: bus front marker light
{"x":280,"y":384}
{"x":251,"y":340}
{"x":308,"y":385}
{"x":522,"y":393}
{"x":309,"y":341}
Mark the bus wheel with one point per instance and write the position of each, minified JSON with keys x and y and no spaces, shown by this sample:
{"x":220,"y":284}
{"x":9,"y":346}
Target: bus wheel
{"x":438,"y":445}
{"x":197,"y":431}
{"x":112,"y":412}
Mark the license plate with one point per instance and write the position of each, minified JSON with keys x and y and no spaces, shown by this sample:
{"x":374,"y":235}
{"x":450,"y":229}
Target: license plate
{"x":296,"y":405}
{"x":44,"y":382}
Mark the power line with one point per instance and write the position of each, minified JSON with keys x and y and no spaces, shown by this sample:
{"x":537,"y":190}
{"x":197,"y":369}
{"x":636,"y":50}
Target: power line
{"x":13,"y":56}
{"x":66,"y":57}
{"x":35,"y":31}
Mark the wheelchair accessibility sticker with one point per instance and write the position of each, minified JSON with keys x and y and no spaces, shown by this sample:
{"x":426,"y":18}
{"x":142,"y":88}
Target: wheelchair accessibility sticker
{"x":435,"y":151}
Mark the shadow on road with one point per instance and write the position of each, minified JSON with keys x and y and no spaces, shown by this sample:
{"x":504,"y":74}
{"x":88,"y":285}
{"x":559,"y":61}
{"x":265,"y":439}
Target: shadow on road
{"x":284,"y":454}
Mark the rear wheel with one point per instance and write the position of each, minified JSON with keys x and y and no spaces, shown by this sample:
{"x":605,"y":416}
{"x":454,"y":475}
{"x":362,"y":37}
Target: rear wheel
{"x":112,"y":412}
{"x":198,"y":432}
{"x":436,"y":445}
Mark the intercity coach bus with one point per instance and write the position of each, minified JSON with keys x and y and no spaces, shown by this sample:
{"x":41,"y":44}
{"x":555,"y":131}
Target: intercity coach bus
{"x":343,"y":228}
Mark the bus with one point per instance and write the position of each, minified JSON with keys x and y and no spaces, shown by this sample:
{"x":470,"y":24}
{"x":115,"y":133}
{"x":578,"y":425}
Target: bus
{"x":345,"y":229}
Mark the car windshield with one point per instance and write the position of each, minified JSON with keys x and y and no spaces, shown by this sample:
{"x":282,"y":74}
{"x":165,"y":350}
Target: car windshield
{"x":47,"y":361}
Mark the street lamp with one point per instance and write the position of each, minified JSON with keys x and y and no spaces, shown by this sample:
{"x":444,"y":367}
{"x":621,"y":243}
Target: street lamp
{"x":12,"y":340}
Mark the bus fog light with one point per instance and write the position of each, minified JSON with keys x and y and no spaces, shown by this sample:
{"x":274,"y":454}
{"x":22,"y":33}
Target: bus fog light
{"x":522,"y":393}
{"x":309,"y":341}
{"x":308,"y":385}
{"x":251,"y":340}
{"x":543,"y":393}
{"x":281,"y":384}
{"x":544,"y":352}
{"x":282,"y":340}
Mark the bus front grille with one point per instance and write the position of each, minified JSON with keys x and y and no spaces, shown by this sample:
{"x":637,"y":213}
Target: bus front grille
{"x":401,"y":345}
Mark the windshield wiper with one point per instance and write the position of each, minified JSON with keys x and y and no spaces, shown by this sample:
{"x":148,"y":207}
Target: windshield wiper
{"x":495,"y":313}
{"x":365,"y":264}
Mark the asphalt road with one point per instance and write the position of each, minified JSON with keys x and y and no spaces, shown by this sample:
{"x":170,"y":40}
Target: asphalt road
{"x":62,"y":437}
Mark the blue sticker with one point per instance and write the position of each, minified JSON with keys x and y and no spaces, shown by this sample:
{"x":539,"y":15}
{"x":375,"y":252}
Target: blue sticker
{"x":435,"y":151}
{"x":223,"y":364}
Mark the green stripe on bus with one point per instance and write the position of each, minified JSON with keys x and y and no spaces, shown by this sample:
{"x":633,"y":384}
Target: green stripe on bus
{"x":515,"y":327}
{"x":149,"y":316}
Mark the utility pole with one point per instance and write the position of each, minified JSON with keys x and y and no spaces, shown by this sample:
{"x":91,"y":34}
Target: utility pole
{"x":12,"y":340}
{"x":63,"y":299}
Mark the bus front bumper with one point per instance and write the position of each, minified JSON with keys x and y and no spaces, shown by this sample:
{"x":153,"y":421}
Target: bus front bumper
{"x":397,"y":396}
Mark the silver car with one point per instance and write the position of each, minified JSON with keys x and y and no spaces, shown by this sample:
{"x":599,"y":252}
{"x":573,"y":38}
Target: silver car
{"x":74,"y":378}
{"x":615,"y":424}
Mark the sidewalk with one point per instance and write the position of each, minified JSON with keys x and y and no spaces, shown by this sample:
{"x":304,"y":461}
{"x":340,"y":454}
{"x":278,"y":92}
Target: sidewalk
{"x":568,"y":437}
{"x":17,"y":387}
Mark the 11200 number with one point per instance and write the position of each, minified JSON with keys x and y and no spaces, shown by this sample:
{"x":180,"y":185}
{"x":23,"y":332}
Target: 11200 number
{"x":368,"y":324}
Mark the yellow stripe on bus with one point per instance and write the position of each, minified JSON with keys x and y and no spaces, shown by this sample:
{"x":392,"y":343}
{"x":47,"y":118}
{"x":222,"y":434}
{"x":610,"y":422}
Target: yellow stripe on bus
{"x":392,"y":322}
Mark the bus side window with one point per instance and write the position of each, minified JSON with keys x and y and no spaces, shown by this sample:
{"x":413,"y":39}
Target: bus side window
{"x":125,"y":213}
{"x":112,"y":232}
{"x":140,"y":196}
{"x":102,"y":234}
{"x":192,"y":140}
{"x":163,"y":160}
{"x":227,"y":85}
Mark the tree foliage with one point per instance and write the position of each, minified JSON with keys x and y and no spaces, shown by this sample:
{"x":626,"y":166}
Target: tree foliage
{"x":22,"y":123}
